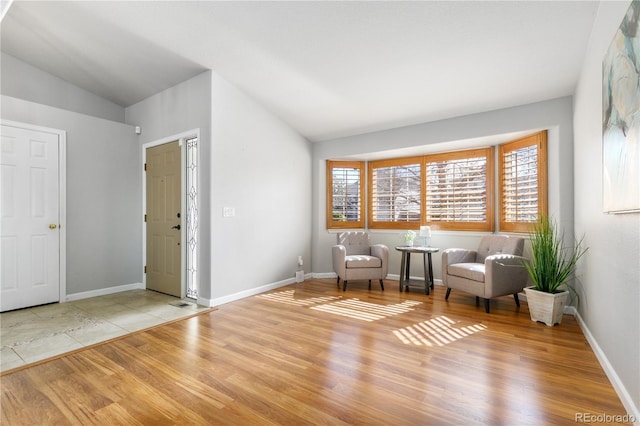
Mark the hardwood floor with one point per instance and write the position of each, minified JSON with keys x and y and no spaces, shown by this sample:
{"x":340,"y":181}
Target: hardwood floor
{"x":311,"y":354}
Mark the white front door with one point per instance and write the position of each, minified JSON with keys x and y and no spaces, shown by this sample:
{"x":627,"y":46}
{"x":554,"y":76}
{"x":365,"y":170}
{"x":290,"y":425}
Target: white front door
{"x":29,"y":235}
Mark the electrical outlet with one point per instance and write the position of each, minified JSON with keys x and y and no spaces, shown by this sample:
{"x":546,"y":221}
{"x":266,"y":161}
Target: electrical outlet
{"x":228,"y":211}
{"x":300,"y":262}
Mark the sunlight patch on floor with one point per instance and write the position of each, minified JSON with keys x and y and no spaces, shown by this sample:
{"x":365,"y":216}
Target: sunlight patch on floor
{"x":355,"y":308}
{"x":438,"y":331}
{"x":288,"y":297}
{"x":337,"y":305}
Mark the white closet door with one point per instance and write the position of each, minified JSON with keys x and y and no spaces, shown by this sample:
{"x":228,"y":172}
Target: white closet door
{"x":30,"y":230}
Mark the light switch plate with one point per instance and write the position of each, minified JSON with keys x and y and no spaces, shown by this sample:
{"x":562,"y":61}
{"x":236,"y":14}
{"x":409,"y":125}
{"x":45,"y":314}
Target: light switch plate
{"x":228,"y":211}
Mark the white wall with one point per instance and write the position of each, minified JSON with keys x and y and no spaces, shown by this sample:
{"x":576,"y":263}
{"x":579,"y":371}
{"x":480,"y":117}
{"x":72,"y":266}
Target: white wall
{"x":103,"y":195}
{"x":251,"y":161}
{"x":609,"y":276}
{"x":261,"y":168}
{"x":27,"y":82}
{"x":554,"y":115}
{"x":184,"y":107}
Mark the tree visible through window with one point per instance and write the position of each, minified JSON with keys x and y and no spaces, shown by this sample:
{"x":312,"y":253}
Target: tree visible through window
{"x":344,"y":194}
{"x":394,"y":193}
{"x":459,"y":190}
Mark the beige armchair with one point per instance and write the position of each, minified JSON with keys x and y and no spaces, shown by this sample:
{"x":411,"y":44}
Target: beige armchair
{"x":495,"y":269}
{"x":355,"y":259}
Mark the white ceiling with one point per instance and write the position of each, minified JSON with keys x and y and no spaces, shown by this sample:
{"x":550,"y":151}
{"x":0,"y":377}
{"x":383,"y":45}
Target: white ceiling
{"x":329,"y":69}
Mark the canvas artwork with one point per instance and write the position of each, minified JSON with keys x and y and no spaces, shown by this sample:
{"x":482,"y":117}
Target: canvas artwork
{"x":621,"y":117}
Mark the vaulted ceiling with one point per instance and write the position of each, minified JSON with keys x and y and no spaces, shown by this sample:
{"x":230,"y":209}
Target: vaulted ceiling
{"x":329,"y":69}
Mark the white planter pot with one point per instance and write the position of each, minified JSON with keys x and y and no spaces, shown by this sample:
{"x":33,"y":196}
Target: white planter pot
{"x":409,"y":243}
{"x":546,"y":307}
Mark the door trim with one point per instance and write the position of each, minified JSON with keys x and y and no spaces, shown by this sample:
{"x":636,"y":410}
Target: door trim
{"x":181,"y":138}
{"x":62,"y":197}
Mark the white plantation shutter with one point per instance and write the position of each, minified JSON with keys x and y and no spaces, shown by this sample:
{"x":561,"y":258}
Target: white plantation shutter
{"x":448,"y":191}
{"x":345,"y":194}
{"x":394,"y":193}
{"x":522,"y":168}
{"x":520,"y":185}
{"x":458,"y":190}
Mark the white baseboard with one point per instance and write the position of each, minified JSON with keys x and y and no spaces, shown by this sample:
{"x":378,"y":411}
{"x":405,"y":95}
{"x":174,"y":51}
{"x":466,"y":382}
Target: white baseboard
{"x":321,"y":275}
{"x":104,"y":291}
{"x":204,"y":302}
{"x":252,"y":292}
{"x":246,"y":293}
{"x":623,"y":394}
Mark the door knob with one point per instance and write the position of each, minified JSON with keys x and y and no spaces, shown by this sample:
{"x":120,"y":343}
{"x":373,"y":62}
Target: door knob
{"x":176,"y":227}
{"x":53,"y":226}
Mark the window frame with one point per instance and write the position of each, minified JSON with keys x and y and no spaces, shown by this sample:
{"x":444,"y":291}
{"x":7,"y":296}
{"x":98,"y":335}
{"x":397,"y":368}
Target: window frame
{"x":403,"y":161}
{"x":489,"y":224}
{"x":334,"y":224}
{"x":495,"y":185}
{"x":540,"y":140}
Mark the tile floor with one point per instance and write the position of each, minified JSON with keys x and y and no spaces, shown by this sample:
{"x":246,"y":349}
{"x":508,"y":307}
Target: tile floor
{"x":33,"y":334}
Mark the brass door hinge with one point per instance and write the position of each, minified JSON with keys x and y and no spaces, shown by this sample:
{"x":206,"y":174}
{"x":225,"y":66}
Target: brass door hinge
{"x":145,"y":167}
{"x":145,"y":217}
{"x":145,"y":269}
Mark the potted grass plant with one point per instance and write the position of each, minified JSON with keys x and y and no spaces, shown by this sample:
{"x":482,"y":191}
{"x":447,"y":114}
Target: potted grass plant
{"x":550,"y":268}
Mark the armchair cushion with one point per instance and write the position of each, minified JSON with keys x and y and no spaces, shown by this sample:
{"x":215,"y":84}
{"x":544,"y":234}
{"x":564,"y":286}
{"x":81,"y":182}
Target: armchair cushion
{"x":470,"y":271}
{"x":362,"y":261}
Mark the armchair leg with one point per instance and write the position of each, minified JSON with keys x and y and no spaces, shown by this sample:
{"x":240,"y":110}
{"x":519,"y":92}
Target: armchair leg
{"x":477,"y":300}
{"x":369,"y":284}
{"x":344,"y":285}
{"x":486,"y":305}
{"x":515,"y":296}
{"x":446,"y":296}
{"x":381,"y":285}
